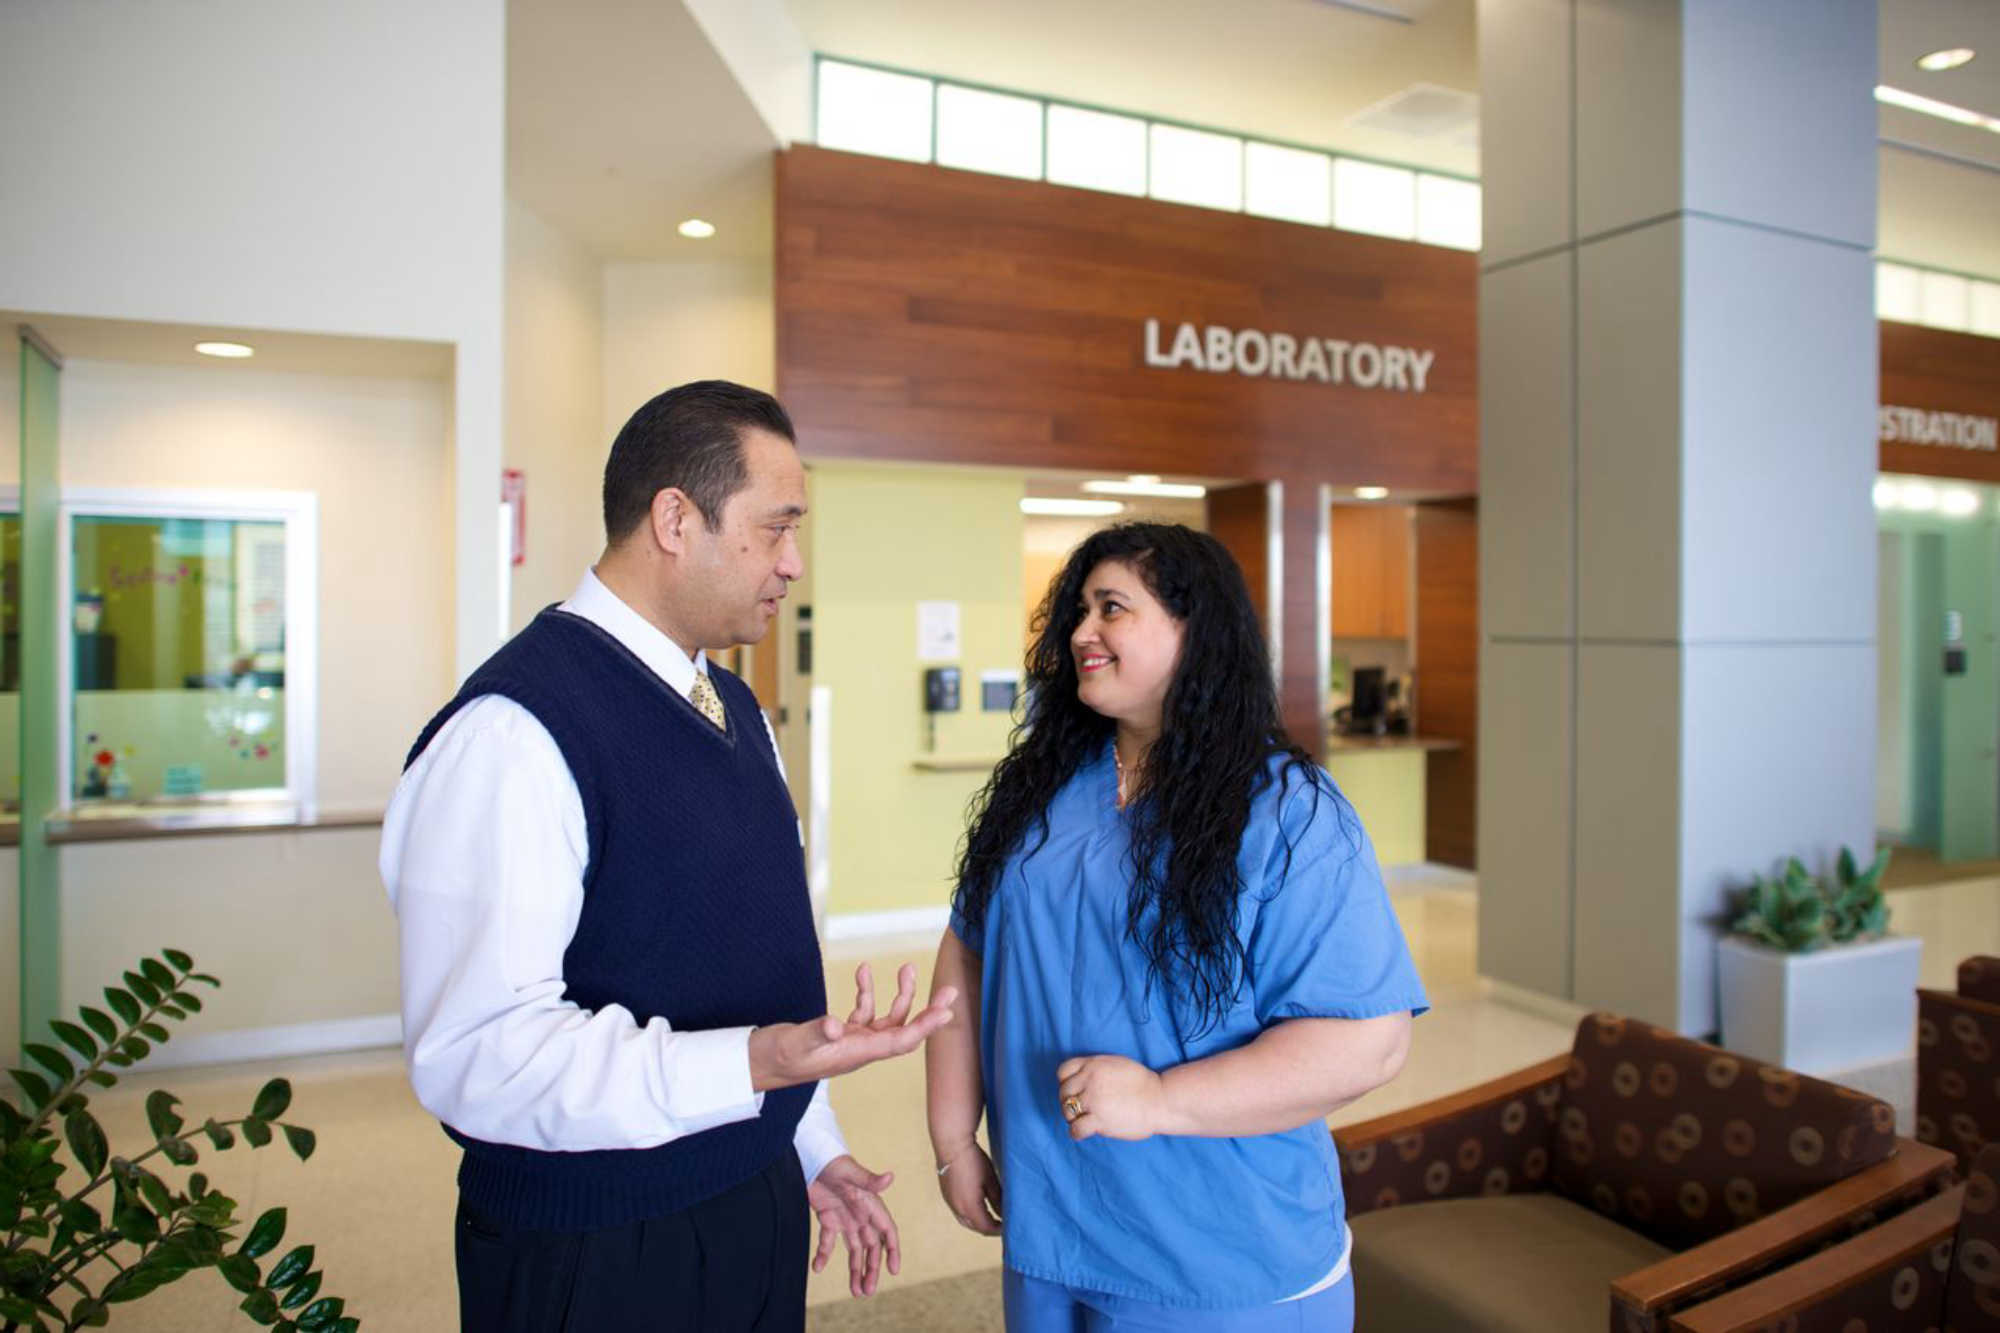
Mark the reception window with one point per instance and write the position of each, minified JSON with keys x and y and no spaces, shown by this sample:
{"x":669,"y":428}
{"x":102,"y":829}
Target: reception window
{"x":189,"y":644}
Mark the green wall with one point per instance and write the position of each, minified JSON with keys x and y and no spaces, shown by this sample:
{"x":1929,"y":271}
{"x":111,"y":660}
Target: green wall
{"x":1969,"y":816}
{"x":1949,"y":725}
{"x":882,"y":539}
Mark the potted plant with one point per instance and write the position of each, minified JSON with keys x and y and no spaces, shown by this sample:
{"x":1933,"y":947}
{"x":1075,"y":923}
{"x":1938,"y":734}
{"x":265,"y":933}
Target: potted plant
{"x":117,"y":1229}
{"x":1810,"y":977}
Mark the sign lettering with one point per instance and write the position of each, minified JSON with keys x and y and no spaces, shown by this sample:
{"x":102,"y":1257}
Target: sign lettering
{"x":1948,"y":430}
{"x":1219,"y":350}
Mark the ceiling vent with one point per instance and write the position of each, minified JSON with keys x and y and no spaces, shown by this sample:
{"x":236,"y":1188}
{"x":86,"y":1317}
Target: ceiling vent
{"x":1423,"y":111}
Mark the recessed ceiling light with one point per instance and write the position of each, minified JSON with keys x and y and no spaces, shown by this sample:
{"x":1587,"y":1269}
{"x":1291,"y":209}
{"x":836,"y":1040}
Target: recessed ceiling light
{"x":1939,"y":61}
{"x":232,"y":350}
{"x":1371,"y":492}
{"x":696,"y":230}
{"x":1930,"y":106}
{"x":1166,"y":490}
{"x":1054,"y":507}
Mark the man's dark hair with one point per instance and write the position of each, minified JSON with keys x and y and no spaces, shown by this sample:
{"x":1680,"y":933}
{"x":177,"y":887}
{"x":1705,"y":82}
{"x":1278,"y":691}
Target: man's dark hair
{"x":691,"y":439}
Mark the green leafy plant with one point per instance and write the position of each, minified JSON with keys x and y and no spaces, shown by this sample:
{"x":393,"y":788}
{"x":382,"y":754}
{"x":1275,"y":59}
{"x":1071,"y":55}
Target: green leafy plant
{"x":60,"y":1247}
{"x":1797,"y":911}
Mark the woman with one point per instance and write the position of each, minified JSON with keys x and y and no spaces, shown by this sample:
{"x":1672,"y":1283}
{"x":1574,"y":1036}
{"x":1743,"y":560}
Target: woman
{"x":1175,"y":958}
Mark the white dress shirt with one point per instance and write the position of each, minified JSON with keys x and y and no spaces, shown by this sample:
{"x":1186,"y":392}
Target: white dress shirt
{"x":483,"y":854}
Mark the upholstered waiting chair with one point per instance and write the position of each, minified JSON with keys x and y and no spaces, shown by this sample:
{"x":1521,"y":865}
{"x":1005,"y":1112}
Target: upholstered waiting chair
{"x":1958,"y":1077}
{"x":1636,"y":1176}
{"x":1936,"y":1266}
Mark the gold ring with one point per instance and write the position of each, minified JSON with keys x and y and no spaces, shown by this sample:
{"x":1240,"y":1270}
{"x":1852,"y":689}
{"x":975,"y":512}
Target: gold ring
{"x":1072,"y":1108}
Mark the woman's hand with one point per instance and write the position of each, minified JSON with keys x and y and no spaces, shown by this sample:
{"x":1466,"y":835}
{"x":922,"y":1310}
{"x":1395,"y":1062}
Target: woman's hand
{"x":971,"y":1189}
{"x":1111,"y":1096}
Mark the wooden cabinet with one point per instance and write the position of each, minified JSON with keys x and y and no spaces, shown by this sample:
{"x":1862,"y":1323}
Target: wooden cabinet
{"x":1371,"y":571}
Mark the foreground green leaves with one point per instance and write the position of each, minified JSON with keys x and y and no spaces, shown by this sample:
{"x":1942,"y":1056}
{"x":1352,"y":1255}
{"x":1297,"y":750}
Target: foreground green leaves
{"x":59,"y":1240}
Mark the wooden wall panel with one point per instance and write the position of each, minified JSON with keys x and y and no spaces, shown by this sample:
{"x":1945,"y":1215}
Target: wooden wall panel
{"x":1940,"y":371}
{"x":937,"y":315}
{"x":1301,"y":699}
{"x":932,"y":315}
{"x":1240,"y":518}
{"x":1447,"y":652}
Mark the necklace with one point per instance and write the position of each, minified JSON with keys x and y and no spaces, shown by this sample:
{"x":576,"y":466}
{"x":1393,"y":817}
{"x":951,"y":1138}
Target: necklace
{"x":1119,"y":766}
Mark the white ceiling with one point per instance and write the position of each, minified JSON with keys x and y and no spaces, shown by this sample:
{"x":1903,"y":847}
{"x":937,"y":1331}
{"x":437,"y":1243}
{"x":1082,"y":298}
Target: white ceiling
{"x":622,"y":119}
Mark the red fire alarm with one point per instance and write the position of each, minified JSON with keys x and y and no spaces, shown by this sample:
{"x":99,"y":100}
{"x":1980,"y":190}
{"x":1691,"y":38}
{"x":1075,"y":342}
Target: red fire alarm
{"x":514,"y":493}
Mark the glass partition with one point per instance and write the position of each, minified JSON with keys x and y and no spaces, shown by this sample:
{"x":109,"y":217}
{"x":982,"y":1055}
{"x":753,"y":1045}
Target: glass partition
{"x":1938,"y":707}
{"x":10,"y":661}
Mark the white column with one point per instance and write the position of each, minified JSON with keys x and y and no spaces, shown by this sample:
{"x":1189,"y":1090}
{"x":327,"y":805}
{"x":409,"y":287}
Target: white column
{"x":1678,"y":385}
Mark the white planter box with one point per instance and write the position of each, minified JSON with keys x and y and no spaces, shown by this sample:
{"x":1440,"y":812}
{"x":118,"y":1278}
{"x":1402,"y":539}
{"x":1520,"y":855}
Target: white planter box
{"x":1818,"y":1013}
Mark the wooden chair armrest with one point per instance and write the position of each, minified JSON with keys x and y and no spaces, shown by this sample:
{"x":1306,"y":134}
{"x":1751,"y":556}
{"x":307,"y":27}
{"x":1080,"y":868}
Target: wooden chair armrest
{"x":1384,"y":1127}
{"x":1756,"y":1247}
{"x":1834,"y":1270}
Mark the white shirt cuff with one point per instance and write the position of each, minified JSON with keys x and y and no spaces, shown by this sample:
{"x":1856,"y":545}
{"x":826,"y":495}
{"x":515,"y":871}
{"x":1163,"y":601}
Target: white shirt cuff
{"x":711,"y":1079}
{"x":818,"y":1139}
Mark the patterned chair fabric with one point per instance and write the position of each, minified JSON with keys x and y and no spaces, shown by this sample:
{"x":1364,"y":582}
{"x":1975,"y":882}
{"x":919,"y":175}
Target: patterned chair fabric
{"x":1497,"y":1147}
{"x":1682,"y":1141}
{"x":1972,"y":1299}
{"x":1958,"y":1076}
{"x":1979,"y":979}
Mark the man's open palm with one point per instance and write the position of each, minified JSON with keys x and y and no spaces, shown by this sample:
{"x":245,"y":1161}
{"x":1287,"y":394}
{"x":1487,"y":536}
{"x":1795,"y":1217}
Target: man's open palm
{"x":785,"y":1054}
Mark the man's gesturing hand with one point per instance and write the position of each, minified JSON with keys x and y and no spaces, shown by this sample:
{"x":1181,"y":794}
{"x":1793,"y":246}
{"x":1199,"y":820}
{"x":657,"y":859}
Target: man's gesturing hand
{"x":848,"y":1199}
{"x":784,"y":1054}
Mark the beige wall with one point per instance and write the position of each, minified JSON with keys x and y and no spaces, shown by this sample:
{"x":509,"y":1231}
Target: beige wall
{"x":883,"y":539}
{"x":667,"y":323}
{"x":296,"y":925}
{"x":374,"y":452}
{"x":555,"y":406}
{"x":277,"y":164}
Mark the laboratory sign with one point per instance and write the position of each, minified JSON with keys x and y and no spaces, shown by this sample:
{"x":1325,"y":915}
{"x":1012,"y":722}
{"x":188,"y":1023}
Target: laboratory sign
{"x":1221,"y":350}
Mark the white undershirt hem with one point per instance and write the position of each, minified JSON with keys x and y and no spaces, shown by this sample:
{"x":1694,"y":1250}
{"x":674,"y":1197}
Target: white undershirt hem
{"x":1339,"y":1271}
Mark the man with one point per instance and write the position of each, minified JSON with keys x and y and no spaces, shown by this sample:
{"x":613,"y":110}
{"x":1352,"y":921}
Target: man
{"x":612,"y":988}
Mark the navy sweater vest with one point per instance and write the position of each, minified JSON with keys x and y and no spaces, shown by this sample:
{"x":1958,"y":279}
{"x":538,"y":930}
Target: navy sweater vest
{"x":695,"y":910}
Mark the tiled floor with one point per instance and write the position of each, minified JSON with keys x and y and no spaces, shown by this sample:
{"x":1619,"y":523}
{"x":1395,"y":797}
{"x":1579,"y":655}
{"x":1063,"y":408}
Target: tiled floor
{"x":376,"y":1199}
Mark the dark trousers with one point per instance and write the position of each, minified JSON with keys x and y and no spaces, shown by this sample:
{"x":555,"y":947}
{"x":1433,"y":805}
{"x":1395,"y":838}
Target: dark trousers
{"x":733,"y":1264}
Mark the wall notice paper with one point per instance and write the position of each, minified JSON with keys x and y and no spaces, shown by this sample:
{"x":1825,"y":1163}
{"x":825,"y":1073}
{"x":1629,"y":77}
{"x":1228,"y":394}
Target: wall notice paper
{"x":937,"y":631}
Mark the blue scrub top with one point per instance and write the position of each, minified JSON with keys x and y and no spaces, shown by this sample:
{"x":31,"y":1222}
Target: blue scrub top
{"x":1209,"y":1223}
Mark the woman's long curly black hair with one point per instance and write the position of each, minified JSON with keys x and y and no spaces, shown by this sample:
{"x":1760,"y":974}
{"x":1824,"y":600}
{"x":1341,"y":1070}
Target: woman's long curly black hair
{"x":1219,"y":729}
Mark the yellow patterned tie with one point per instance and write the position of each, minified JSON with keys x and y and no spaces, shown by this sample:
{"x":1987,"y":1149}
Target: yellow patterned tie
{"x":704,"y":697}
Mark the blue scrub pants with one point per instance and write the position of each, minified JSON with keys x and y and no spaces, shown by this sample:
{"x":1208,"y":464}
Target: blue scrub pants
{"x":1035,"y":1306}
